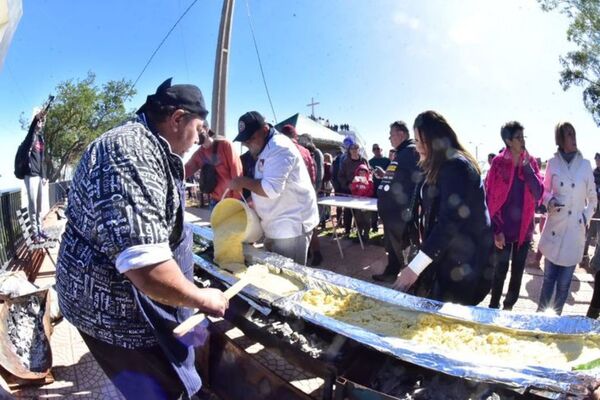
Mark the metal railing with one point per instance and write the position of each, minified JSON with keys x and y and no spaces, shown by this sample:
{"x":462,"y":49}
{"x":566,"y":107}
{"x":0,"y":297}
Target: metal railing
{"x":10,"y":231}
{"x":57,"y":192}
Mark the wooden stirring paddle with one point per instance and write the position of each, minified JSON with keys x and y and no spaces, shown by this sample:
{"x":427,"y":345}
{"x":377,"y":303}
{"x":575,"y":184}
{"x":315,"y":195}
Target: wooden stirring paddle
{"x":195,"y":319}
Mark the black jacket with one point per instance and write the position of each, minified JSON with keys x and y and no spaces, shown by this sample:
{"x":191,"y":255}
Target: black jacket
{"x":457,"y":235}
{"x":597,"y":182}
{"x":396,"y":194}
{"x":335,"y":169}
{"x":23,"y":158}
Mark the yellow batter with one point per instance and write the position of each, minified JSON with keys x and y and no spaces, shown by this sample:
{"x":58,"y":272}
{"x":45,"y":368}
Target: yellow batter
{"x":229,"y":226}
{"x":228,"y":235}
{"x":261,"y":277}
{"x":481,"y":343}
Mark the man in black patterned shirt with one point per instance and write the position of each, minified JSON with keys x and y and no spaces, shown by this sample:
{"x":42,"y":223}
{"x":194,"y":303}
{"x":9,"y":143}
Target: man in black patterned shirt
{"x":124,"y":272}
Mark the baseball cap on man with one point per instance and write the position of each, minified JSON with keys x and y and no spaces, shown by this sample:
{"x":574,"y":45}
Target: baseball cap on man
{"x":289,"y":130}
{"x":248,"y":124}
{"x":185,"y":97}
{"x":597,"y":156}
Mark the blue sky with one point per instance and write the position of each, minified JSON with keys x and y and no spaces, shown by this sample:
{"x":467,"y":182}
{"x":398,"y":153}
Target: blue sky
{"x":479,"y":63}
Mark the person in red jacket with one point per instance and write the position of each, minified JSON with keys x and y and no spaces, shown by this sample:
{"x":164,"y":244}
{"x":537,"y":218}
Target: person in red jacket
{"x":362,"y":186}
{"x":215,"y":149}
{"x":290,"y":131}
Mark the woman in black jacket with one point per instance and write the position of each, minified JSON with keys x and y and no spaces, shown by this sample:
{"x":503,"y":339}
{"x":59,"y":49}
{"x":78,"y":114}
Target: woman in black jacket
{"x":454,"y":262}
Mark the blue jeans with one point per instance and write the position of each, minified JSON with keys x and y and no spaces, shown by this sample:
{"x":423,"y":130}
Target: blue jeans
{"x":212,"y":203}
{"x":559,"y":277}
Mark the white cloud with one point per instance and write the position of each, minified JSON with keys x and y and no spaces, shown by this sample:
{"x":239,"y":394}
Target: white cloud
{"x":404,"y":20}
{"x":468,"y":31}
{"x":473,"y":70}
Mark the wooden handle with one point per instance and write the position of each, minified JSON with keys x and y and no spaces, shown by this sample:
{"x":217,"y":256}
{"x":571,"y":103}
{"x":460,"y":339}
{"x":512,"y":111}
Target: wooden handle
{"x":188,"y":324}
{"x":195,"y":319}
{"x":236,"y":288}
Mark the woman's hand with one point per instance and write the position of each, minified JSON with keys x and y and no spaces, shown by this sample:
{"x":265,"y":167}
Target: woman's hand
{"x":500,"y":240}
{"x":405,"y":280}
{"x":554,"y":205}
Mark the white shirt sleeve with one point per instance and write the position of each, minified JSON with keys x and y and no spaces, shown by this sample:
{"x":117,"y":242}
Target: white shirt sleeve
{"x":277,"y":168}
{"x":143,"y":255}
{"x":420,"y":262}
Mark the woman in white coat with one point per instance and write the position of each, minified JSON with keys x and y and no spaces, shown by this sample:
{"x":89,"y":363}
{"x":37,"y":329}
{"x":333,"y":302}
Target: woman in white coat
{"x":570,"y":197}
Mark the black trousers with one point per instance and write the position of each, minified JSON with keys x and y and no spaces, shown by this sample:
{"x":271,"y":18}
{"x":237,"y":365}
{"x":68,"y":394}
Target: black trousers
{"x":374,"y":220}
{"x":592,"y":233}
{"x":363,"y":221}
{"x":394,"y":245}
{"x":595,"y":303}
{"x":347,"y":219}
{"x":501,"y":259}
{"x":137,"y":374}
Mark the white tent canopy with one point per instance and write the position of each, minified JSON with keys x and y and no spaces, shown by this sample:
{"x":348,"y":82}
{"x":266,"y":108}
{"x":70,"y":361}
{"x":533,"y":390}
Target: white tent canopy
{"x":318,"y":132}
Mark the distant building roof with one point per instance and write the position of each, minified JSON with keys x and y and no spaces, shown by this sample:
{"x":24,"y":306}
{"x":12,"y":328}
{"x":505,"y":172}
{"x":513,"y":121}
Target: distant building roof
{"x":318,"y":132}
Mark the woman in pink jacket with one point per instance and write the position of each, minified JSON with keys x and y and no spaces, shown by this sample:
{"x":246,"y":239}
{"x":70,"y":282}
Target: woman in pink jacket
{"x":513,"y":188}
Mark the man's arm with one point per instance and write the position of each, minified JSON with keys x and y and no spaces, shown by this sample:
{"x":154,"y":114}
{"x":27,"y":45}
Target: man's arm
{"x":164,"y":283}
{"x":276,"y":169}
{"x":33,"y":128}
{"x":243,"y":182}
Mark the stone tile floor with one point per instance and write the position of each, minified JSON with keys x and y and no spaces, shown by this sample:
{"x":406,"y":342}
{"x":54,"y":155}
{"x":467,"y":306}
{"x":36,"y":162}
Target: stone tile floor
{"x":78,"y":376}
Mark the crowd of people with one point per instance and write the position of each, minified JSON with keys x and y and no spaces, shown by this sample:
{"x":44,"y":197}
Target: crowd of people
{"x":125,"y":272}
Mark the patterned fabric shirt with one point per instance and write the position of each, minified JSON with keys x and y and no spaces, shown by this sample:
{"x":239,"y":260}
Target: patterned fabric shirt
{"x":124,"y":193}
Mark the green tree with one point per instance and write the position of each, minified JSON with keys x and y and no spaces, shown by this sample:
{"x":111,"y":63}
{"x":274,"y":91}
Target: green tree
{"x":581,"y":67}
{"x":81,"y":112}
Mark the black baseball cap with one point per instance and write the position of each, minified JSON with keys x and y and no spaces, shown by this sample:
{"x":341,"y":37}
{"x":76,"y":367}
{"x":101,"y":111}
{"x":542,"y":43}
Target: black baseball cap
{"x":248,"y":124}
{"x":186,"y":97}
{"x":597,"y":156}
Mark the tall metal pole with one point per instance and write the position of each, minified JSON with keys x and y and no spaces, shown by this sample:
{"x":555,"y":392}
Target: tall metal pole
{"x":219,"y":93}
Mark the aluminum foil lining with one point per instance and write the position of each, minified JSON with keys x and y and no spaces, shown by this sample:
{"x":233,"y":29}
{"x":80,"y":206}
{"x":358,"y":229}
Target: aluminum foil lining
{"x":518,"y":377}
{"x":257,"y":298}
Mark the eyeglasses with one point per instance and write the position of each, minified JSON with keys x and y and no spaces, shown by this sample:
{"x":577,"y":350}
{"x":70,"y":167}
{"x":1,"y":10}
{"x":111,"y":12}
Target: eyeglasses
{"x":519,"y":137}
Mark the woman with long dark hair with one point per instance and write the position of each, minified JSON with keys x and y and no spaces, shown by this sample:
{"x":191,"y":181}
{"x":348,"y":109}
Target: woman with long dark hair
{"x":454,"y":262}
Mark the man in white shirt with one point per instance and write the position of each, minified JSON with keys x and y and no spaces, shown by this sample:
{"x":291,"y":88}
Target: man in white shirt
{"x":282,"y":192}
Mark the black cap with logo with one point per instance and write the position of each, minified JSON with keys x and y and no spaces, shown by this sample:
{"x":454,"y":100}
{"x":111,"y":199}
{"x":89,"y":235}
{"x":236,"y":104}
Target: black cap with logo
{"x":248,"y":124}
{"x":186,"y":97}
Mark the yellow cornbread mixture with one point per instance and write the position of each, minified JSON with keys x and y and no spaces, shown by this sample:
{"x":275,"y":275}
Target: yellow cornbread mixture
{"x":228,"y":236}
{"x":463,"y":340}
{"x":261,"y":277}
{"x":229,"y":230}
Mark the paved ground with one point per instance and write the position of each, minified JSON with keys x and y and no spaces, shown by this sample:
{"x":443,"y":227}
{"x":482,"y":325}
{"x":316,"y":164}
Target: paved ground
{"x":79,"y":377}
{"x":76,"y":373}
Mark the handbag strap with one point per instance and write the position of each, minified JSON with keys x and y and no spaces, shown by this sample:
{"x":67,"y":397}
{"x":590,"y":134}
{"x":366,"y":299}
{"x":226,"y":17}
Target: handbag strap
{"x":214,"y":152}
{"x":213,"y":155}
